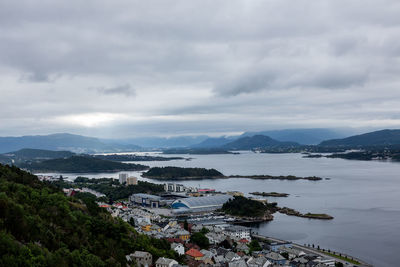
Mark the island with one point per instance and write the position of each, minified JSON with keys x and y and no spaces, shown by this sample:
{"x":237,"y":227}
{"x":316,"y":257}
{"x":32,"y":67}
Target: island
{"x":249,"y":210}
{"x":133,"y":157}
{"x":292,"y":212}
{"x":270,"y":194}
{"x":198,"y":151}
{"x":80,"y":164}
{"x":178,"y":173}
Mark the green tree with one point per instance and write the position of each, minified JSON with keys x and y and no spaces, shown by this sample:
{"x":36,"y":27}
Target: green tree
{"x":200,"y":239}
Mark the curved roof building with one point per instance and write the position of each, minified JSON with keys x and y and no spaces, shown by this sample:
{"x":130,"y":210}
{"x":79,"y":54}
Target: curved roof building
{"x":199,"y":204}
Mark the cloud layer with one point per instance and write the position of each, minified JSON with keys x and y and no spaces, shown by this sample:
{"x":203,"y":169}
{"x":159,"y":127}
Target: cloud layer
{"x":139,"y":68}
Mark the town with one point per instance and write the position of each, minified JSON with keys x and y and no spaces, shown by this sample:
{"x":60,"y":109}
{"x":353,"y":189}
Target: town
{"x":191,"y":221}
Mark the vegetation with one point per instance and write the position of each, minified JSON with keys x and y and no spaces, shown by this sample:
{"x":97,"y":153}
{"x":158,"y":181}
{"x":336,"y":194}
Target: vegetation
{"x":112,"y":188}
{"x":42,"y":227}
{"x":292,"y":212}
{"x":254,"y":245}
{"x":200,"y":239}
{"x":241,"y":206}
{"x":132,"y":157}
{"x":28,"y":154}
{"x":270,"y":194}
{"x":80,"y":164}
{"x":197,"y":151}
{"x":177,"y":173}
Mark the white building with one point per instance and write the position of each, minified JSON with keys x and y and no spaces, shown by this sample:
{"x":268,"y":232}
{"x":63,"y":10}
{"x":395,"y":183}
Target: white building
{"x":165,"y":262}
{"x":178,"y":247}
{"x":122,"y":178}
{"x":237,"y":232}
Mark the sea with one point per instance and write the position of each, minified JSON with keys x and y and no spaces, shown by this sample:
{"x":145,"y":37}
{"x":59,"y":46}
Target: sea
{"x":363,"y":197}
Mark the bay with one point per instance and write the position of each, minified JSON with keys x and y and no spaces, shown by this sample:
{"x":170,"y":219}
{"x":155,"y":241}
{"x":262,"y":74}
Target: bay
{"x":363,"y":196}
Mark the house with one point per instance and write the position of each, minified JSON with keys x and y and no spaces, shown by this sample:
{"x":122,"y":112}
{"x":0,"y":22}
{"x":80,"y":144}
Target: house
{"x":165,"y":262}
{"x":194,"y":254}
{"x":215,"y":238}
{"x":258,"y":262}
{"x":178,"y":247}
{"x":232,"y":256}
{"x":243,"y":248}
{"x":292,"y":253}
{"x":145,"y":226}
{"x":142,"y":258}
{"x":275,"y":258}
{"x":275,"y":246}
{"x":238,"y":263}
{"x":183,"y":235}
{"x":208,"y":256}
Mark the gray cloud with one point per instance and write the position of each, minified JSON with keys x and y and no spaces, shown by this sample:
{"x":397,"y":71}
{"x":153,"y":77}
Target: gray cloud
{"x":197,"y":66}
{"x":125,"y":90}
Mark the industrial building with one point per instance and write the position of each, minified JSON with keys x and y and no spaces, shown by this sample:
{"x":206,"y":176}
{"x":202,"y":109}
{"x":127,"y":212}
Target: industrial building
{"x":199,"y":204}
{"x":145,"y":200}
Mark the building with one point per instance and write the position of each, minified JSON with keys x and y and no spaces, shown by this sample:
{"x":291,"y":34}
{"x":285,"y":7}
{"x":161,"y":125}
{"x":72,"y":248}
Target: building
{"x":194,"y":254}
{"x":145,"y":200}
{"x":165,"y":262}
{"x":170,"y":187}
{"x":275,"y":246}
{"x":199,"y":204}
{"x":122,"y":178}
{"x":178,"y":247}
{"x":237,"y":232}
{"x":183,"y":235}
{"x":131,"y":180}
{"x":275,"y":258}
{"x":142,"y":258}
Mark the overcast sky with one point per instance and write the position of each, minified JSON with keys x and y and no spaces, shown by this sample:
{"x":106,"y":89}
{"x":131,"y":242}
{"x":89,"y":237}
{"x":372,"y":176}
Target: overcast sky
{"x":140,"y":68}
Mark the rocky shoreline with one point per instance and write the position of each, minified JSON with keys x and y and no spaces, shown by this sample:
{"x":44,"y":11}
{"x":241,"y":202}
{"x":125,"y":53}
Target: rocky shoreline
{"x":270,"y":194}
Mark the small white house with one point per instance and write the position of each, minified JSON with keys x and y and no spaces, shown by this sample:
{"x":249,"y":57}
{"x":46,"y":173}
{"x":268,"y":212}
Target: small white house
{"x":165,"y":262}
{"x":178,"y":247}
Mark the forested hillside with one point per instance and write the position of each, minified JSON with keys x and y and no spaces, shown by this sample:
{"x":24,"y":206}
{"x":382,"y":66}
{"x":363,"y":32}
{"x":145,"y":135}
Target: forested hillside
{"x":42,"y":227}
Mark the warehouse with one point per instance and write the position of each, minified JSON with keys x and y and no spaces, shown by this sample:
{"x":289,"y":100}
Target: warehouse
{"x":145,"y":200}
{"x":199,"y":204}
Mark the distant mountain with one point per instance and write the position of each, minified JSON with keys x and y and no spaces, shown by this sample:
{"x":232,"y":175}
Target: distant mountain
{"x":302,"y":136}
{"x":214,"y":142}
{"x":257,"y":141}
{"x":62,"y":141}
{"x":160,"y":142}
{"x":377,"y":138}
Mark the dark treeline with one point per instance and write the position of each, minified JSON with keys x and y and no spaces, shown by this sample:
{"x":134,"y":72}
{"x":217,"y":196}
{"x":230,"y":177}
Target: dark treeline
{"x":40,"y":226}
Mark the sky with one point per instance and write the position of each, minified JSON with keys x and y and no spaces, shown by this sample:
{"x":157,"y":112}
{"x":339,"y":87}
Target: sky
{"x":120,"y":69}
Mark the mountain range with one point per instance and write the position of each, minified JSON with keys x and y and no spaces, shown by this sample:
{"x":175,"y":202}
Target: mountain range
{"x":248,"y":140}
{"x":378,"y":138}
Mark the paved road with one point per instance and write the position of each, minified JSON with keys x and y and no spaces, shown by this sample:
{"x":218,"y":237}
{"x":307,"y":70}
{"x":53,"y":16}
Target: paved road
{"x":315,"y":251}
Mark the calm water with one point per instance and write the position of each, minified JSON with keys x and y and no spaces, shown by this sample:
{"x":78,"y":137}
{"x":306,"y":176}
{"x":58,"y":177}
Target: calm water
{"x":363,"y":196}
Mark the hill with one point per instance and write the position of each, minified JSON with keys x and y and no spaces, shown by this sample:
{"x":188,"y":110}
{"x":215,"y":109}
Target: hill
{"x":62,"y":141}
{"x":214,"y":142}
{"x":257,"y":141}
{"x":37,"y":154}
{"x":80,"y":164}
{"x":377,"y":138}
{"x":311,"y":136}
{"x":40,"y":226}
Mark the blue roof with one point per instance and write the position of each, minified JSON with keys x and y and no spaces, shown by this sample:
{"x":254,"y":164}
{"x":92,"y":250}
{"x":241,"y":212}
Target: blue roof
{"x":201,"y":202}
